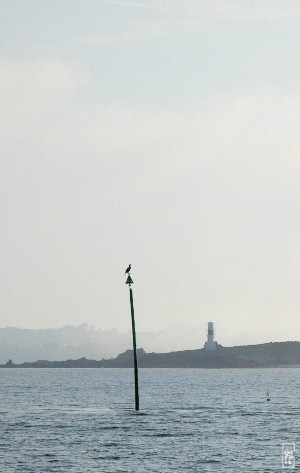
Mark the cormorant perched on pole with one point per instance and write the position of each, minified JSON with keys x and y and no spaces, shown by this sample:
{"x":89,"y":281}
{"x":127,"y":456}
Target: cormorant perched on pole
{"x":128,"y":269}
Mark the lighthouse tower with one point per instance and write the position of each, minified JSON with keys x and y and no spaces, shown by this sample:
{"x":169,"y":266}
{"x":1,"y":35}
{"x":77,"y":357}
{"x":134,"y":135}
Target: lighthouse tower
{"x":210,"y":344}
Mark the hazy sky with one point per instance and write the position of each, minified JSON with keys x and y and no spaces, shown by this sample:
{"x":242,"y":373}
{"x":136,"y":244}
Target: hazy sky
{"x":162,"y":133}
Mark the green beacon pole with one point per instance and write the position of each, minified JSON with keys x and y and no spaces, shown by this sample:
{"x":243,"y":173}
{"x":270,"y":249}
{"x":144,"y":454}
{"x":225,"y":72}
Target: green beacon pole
{"x":129,"y":281}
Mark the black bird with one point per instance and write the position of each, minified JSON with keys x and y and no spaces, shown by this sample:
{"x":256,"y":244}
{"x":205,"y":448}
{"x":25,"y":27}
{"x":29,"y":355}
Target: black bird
{"x":128,"y":269}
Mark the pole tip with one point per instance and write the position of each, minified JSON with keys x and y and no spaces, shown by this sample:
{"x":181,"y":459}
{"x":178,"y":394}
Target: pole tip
{"x":129,"y":280}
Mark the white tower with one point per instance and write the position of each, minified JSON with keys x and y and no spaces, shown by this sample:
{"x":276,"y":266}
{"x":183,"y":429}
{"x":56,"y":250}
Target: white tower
{"x":210,"y":344}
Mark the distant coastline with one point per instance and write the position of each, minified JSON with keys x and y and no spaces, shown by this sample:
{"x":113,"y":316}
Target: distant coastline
{"x":266,"y":355}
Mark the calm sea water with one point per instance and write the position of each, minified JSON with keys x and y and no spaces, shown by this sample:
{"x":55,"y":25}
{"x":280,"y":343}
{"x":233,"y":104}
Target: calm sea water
{"x":82,"y":420}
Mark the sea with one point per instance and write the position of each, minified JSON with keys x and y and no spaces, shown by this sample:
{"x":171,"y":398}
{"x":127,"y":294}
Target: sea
{"x":190,"y":420}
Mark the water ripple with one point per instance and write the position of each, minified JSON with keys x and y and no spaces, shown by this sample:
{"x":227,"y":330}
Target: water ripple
{"x":191,"y":421}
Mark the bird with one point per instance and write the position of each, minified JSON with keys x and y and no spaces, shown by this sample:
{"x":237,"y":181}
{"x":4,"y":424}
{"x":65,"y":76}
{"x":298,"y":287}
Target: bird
{"x":128,"y":269}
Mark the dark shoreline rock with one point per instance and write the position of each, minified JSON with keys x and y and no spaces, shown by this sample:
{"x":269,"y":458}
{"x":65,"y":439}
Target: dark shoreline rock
{"x":266,"y":355}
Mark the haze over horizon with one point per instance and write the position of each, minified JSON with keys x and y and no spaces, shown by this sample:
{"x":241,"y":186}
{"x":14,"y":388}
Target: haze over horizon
{"x":164,"y":134}
{"x":74,"y":342}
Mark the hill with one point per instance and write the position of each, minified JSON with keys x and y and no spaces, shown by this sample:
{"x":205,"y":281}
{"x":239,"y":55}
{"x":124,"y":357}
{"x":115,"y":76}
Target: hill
{"x":277,"y":354}
{"x":76,"y":342}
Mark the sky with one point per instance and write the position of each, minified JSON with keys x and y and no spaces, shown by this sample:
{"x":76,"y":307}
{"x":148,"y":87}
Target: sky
{"x":161,"y":133}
